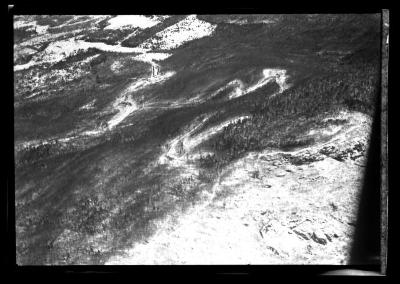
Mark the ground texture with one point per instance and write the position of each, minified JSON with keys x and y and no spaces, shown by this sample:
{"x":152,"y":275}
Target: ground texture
{"x":227,"y":139}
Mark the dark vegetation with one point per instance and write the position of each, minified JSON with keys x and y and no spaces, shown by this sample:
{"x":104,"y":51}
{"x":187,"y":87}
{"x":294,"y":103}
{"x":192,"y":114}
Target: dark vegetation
{"x":351,"y":82}
{"x":78,"y":57}
{"x":107,"y":36}
{"x":52,"y":21}
{"x":56,"y":110}
{"x":73,"y":26}
{"x":275,"y":122}
{"x":23,"y":59}
{"x":106,"y":186}
{"x":23,"y":33}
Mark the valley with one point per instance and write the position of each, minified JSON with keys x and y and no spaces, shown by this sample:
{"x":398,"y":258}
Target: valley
{"x":191,"y":139}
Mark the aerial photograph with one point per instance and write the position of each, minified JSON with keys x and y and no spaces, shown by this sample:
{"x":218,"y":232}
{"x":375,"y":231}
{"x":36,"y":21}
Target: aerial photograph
{"x":191,"y":139}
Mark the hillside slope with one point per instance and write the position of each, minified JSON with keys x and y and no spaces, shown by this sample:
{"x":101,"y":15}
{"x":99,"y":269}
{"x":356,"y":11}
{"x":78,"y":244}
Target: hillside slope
{"x":191,"y":139}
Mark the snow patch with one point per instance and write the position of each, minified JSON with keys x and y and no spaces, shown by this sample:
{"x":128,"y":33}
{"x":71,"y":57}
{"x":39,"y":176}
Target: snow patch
{"x":125,"y":103}
{"x":331,"y":130}
{"x":127,"y":21}
{"x":88,"y":106}
{"x":144,"y":82}
{"x":280,"y":77}
{"x":268,"y":75}
{"x":71,"y":46}
{"x":177,"y":152}
{"x":277,"y":75}
{"x":172,"y":149}
{"x":24,"y":66}
{"x":23,"y":24}
{"x":41,"y":29}
{"x":152,"y":56}
{"x":30,"y":26}
{"x":247,"y":22}
{"x":186,"y":30}
{"x":93,"y":132}
{"x":60,"y":50}
{"x":125,"y":106}
{"x":116,"y":66}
